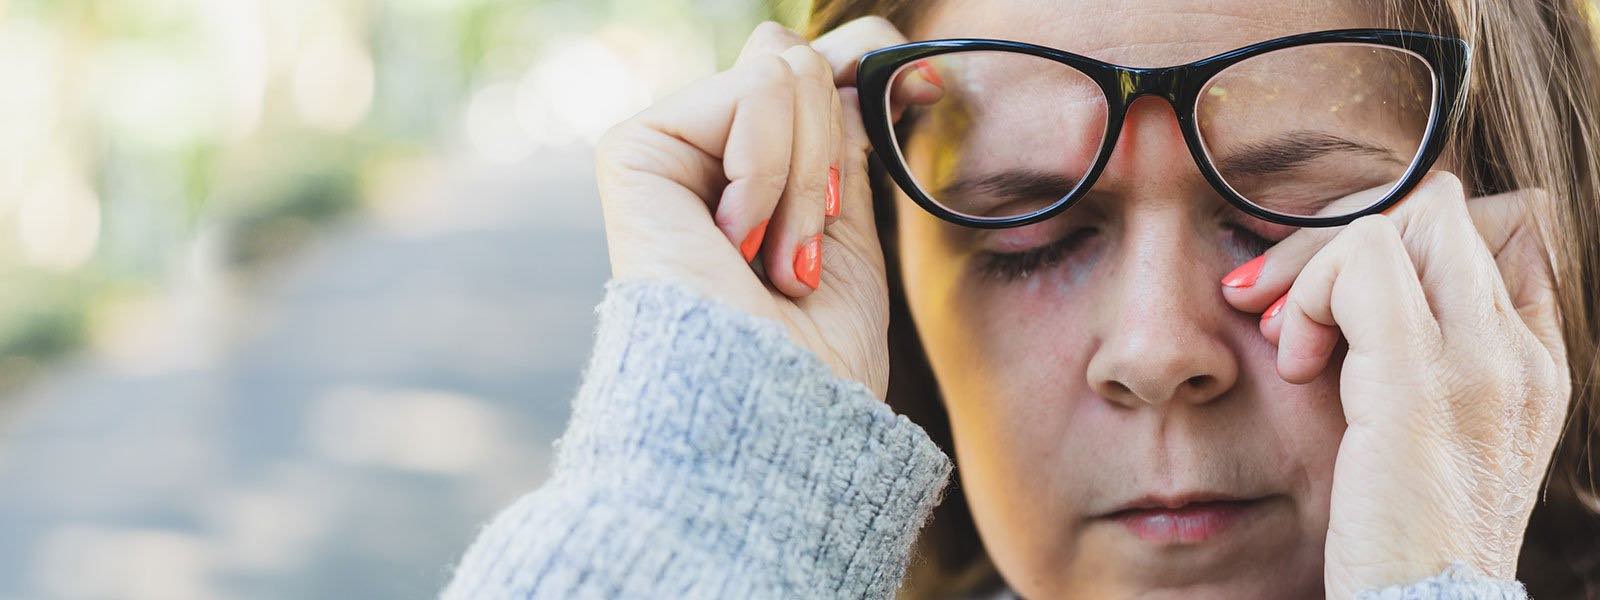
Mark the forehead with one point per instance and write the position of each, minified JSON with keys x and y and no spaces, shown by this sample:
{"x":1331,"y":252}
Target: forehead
{"x":1142,"y":33}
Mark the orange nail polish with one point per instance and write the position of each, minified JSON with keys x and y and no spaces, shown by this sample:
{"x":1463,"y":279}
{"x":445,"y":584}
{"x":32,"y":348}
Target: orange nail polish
{"x":752,"y":240}
{"x":808,"y":262}
{"x":929,"y":73}
{"x":1272,"y":311}
{"x":1246,"y":274}
{"x":831,"y":207}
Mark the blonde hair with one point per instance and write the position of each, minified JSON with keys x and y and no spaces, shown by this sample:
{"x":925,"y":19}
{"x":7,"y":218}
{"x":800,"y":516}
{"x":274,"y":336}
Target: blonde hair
{"x":1530,"y":119}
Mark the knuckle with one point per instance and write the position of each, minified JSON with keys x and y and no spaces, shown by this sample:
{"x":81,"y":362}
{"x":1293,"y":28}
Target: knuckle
{"x":1375,"y":231}
{"x":1445,"y":182}
{"x":771,"y":74}
{"x":1438,"y":203}
{"x":1441,"y":206}
{"x":774,"y":70}
{"x":615,"y":144}
{"x":629,"y":153}
{"x":810,"y":65}
{"x":771,"y":29}
{"x":768,"y":29}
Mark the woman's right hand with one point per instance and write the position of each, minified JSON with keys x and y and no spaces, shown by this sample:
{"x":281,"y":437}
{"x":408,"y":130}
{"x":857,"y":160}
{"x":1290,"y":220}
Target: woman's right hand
{"x":768,"y":159}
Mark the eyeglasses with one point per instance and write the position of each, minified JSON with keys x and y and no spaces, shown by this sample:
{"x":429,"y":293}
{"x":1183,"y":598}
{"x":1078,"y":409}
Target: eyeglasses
{"x":1310,"y":130}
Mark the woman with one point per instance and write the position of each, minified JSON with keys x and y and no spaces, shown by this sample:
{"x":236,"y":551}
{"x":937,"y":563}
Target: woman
{"x":1137,"y":406}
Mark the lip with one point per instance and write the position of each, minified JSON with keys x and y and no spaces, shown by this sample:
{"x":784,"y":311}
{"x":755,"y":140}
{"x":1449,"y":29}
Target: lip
{"x":1183,"y":519}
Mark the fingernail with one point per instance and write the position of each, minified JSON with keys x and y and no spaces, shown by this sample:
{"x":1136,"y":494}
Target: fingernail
{"x":1272,"y":311}
{"x":752,"y":240}
{"x":808,"y":262}
{"x":1246,"y":274}
{"x":831,"y":207}
{"x":929,"y":73}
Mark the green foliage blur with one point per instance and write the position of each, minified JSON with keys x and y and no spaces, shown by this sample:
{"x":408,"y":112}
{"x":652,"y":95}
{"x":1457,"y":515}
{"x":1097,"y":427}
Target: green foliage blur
{"x":138,"y":137}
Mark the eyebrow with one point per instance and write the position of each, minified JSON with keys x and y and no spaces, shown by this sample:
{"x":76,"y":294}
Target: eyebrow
{"x":1283,"y":153}
{"x":1295,"y":149}
{"x":1010,"y":185}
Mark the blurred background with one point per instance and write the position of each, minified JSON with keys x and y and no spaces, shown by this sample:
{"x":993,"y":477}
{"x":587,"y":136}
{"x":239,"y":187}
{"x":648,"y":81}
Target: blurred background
{"x":296,"y":292}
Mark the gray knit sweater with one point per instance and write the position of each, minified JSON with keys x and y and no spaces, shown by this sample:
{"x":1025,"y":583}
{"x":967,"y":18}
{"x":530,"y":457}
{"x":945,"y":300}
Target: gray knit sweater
{"x":709,"y":456}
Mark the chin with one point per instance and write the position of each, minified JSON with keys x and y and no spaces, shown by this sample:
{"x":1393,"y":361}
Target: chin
{"x":1233,"y":588}
{"x":1282,"y":579}
{"x":1198,"y":552}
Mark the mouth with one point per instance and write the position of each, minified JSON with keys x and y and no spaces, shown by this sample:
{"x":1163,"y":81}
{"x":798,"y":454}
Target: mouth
{"x":1183,"y":519}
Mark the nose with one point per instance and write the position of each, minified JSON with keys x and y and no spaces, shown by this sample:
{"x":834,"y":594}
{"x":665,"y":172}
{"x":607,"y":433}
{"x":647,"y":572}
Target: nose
{"x":1161,"y":342}
{"x":1162,"y":319}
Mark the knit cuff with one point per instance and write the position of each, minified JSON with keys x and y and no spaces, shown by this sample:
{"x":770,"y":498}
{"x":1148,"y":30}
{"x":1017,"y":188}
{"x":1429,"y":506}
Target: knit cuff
{"x":702,"y":410}
{"x":1459,"y":581}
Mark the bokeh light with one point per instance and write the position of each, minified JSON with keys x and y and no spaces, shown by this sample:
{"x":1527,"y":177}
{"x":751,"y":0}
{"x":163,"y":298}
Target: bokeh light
{"x":281,"y":316}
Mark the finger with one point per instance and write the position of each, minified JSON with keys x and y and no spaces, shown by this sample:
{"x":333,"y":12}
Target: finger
{"x":1254,"y":285}
{"x":1436,"y":217}
{"x":1305,"y":347}
{"x":703,"y":116}
{"x":832,"y":206}
{"x":856,"y":226}
{"x":1440,"y":237}
{"x":758,"y":99}
{"x":855,"y":230}
{"x":919,"y":83}
{"x":1524,"y":260}
{"x":844,"y":46}
{"x":746,"y":216}
{"x":1457,"y":271}
{"x":768,"y":38}
{"x":1365,"y":283}
{"x":794,"y":238}
{"x":743,"y":114}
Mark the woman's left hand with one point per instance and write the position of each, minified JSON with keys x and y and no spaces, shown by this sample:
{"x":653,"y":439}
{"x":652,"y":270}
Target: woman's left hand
{"x":1454,"y":385}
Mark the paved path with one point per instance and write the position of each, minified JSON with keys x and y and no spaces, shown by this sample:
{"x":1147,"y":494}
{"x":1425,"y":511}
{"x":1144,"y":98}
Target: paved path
{"x":337,"y":428}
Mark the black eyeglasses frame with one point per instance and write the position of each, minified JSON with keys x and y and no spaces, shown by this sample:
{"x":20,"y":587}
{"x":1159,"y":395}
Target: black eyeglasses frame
{"x":1181,"y":86}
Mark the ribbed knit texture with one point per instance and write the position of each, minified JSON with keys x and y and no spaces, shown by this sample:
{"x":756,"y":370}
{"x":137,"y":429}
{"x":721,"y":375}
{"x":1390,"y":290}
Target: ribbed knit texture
{"x":709,"y":456}
{"x":1459,"y":581}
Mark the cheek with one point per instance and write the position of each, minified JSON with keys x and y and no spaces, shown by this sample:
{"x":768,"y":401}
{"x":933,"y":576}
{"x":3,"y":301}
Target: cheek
{"x":1305,"y":424}
{"x":1010,"y":362}
{"x":994,"y":341}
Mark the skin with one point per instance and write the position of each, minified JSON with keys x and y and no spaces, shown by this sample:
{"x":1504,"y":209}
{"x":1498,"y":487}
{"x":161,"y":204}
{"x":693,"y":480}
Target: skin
{"x":1051,"y":429}
{"x":1395,"y":413}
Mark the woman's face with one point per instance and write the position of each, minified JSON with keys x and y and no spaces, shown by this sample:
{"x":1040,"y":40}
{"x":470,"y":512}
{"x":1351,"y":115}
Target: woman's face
{"x":1119,"y":428}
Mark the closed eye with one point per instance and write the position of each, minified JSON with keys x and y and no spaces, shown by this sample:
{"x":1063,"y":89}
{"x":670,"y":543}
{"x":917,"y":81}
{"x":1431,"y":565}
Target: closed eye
{"x":1015,"y":266}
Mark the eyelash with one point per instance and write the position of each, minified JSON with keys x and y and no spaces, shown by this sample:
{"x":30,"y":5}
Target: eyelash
{"x":1016,"y":266}
{"x":1253,"y":243}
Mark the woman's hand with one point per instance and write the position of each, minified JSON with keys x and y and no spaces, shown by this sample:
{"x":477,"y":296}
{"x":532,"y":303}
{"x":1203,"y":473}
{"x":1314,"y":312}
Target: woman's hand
{"x":1454,"y":385}
{"x":766,"y":158}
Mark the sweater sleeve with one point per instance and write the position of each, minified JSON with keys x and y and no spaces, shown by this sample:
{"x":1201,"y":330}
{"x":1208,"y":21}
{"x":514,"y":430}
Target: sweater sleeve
{"x":708,"y":455}
{"x":1458,"y":581}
